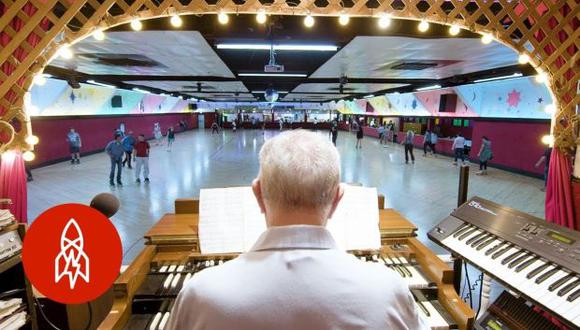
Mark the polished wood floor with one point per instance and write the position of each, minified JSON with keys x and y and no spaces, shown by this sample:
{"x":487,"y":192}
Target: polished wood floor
{"x":425,"y":192}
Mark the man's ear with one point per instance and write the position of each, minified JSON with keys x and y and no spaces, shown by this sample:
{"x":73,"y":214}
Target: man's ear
{"x":337,"y":198}
{"x":257,"y":189}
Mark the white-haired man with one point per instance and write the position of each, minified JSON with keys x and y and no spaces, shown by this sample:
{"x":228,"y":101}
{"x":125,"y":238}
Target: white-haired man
{"x":295,"y":277}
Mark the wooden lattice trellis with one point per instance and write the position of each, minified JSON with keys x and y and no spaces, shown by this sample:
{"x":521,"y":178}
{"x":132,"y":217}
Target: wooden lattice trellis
{"x":31,"y":31}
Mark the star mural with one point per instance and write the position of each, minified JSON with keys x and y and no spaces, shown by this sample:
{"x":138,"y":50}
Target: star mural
{"x":72,"y":97}
{"x":414,"y":104}
{"x":513,"y":98}
{"x":540,"y":100}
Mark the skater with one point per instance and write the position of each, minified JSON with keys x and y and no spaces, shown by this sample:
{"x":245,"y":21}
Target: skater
{"x":170,"y":138}
{"x":408,"y":142}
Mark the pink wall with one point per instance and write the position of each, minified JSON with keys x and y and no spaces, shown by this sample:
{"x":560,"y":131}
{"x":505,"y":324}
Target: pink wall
{"x":516,"y":145}
{"x":95,"y":131}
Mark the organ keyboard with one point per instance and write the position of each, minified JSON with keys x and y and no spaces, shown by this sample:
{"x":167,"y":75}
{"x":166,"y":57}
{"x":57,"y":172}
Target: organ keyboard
{"x":539,"y":260}
{"x":146,"y":290}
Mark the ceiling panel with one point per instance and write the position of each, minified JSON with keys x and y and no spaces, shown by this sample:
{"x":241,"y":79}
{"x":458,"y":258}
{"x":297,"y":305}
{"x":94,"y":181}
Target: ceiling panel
{"x":312,"y":97}
{"x":355,"y":88}
{"x":191,"y":86}
{"x":168,"y":53}
{"x":379,"y":57}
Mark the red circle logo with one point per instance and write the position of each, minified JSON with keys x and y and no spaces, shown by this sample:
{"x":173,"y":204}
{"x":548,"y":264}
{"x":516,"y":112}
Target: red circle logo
{"x":72,"y":253}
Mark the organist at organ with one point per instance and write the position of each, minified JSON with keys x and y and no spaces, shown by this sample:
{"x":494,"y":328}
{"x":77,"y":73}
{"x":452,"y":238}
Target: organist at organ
{"x":295,"y":277}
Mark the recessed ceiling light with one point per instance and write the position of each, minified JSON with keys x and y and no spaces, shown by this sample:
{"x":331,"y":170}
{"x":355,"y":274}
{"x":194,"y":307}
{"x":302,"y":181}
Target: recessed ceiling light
{"x":515,"y":75}
{"x":427,"y":88}
{"x":141,"y":90}
{"x":65,"y":52}
{"x":272,"y":75}
{"x":321,"y":48}
{"x":343,"y":19}
{"x":176,"y":21}
{"x":92,"y":82}
{"x":541,"y":77}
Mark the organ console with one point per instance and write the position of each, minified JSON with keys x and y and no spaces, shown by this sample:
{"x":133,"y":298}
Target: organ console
{"x":145,"y":292}
{"x":536,"y":259}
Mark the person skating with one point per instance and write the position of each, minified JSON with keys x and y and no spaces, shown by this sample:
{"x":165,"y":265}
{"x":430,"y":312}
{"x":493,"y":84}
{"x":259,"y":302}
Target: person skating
{"x":115,"y":151}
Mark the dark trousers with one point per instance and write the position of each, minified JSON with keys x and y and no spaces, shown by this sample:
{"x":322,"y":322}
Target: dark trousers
{"x":433,"y":148}
{"x":425,"y":146}
{"x":459,"y":154}
{"x":118,"y":163}
{"x":409,"y":150}
{"x":482,"y":165}
{"x":128,"y":158}
{"x":334,"y":136}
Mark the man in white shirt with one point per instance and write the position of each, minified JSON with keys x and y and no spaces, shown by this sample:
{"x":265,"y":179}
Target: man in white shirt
{"x":295,"y":277}
{"x":458,"y":148}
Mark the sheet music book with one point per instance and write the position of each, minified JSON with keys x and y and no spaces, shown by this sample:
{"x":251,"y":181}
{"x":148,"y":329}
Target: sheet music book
{"x":230,"y":220}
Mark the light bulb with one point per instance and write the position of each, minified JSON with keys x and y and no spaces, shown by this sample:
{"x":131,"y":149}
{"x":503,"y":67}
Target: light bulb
{"x":136,"y":25}
{"x":223,"y":18}
{"x":309,"y":21}
{"x":486,"y":38}
{"x":523,"y":59}
{"x":541,"y":77}
{"x":28,"y":156}
{"x":454,"y":30}
{"x":548,"y":139}
{"x":32,"y":140}
{"x":176,"y":21}
{"x":261,"y":16}
{"x":384,"y":21}
{"x":65,"y":52}
{"x":99,"y":35}
{"x":8,"y":156}
{"x":343,"y":19}
{"x":423,"y":26}
{"x":550,"y":109}
{"x":39,"y":79}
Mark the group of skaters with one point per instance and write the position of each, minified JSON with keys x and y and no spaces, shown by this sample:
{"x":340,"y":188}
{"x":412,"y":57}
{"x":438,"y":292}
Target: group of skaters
{"x":387,"y":133}
{"x":126,"y":149}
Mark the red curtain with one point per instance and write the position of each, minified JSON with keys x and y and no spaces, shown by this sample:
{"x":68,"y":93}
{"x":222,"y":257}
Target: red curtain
{"x":12,"y":174}
{"x":13,"y":184}
{"x":559,"y":198}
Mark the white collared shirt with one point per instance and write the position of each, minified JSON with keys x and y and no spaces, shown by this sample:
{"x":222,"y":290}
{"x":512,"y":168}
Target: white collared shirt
{"x":296,"y":278}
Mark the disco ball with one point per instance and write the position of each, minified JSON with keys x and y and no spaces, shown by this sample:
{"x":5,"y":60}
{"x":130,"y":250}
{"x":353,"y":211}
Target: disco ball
{"x":271,"y":95}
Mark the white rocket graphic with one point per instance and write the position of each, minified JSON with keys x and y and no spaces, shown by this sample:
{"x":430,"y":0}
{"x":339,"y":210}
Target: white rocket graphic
{"x":71,"y":261}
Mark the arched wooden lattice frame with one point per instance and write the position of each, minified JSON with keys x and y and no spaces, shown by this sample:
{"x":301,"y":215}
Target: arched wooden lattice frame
{"x":31,"y":32}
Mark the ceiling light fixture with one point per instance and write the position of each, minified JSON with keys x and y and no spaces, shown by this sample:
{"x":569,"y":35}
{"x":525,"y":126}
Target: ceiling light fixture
{"x":486,"y":38}
{"x":548,"y":140}
{"x":428,"y":88}
{"x":261,"y":16}
{"x":302,"y":75}
{"x":369,"y":96}
{"x":28,"y":156}
{"x":65,"y":52}
{"x":320,"y":48}
{"x":384,"y":21}
{"x":32,"y":140}
{"x":343,"y":19}
{"x":454,"y":30}
{"x":515,"y":75}
{"x":99,"y":35}
{"x":423,"y":26}
{"x":523,"y":59}
{"x":136,"y":25}
{"x":92,"y":82}
{"x":176,"y":21}
{"x":309,"y":21}
{"x":141,"y":90}
{"x":223,"y":18}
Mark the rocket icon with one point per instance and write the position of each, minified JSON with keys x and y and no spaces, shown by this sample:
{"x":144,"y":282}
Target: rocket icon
{"x":71,"y":261}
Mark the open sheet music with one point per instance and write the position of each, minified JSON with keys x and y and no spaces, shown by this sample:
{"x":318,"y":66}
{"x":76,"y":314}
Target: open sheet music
{"x":230,"y":220}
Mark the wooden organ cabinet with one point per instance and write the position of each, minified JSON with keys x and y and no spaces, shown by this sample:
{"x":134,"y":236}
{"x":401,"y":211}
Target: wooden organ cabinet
{"x":145,"y":291}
